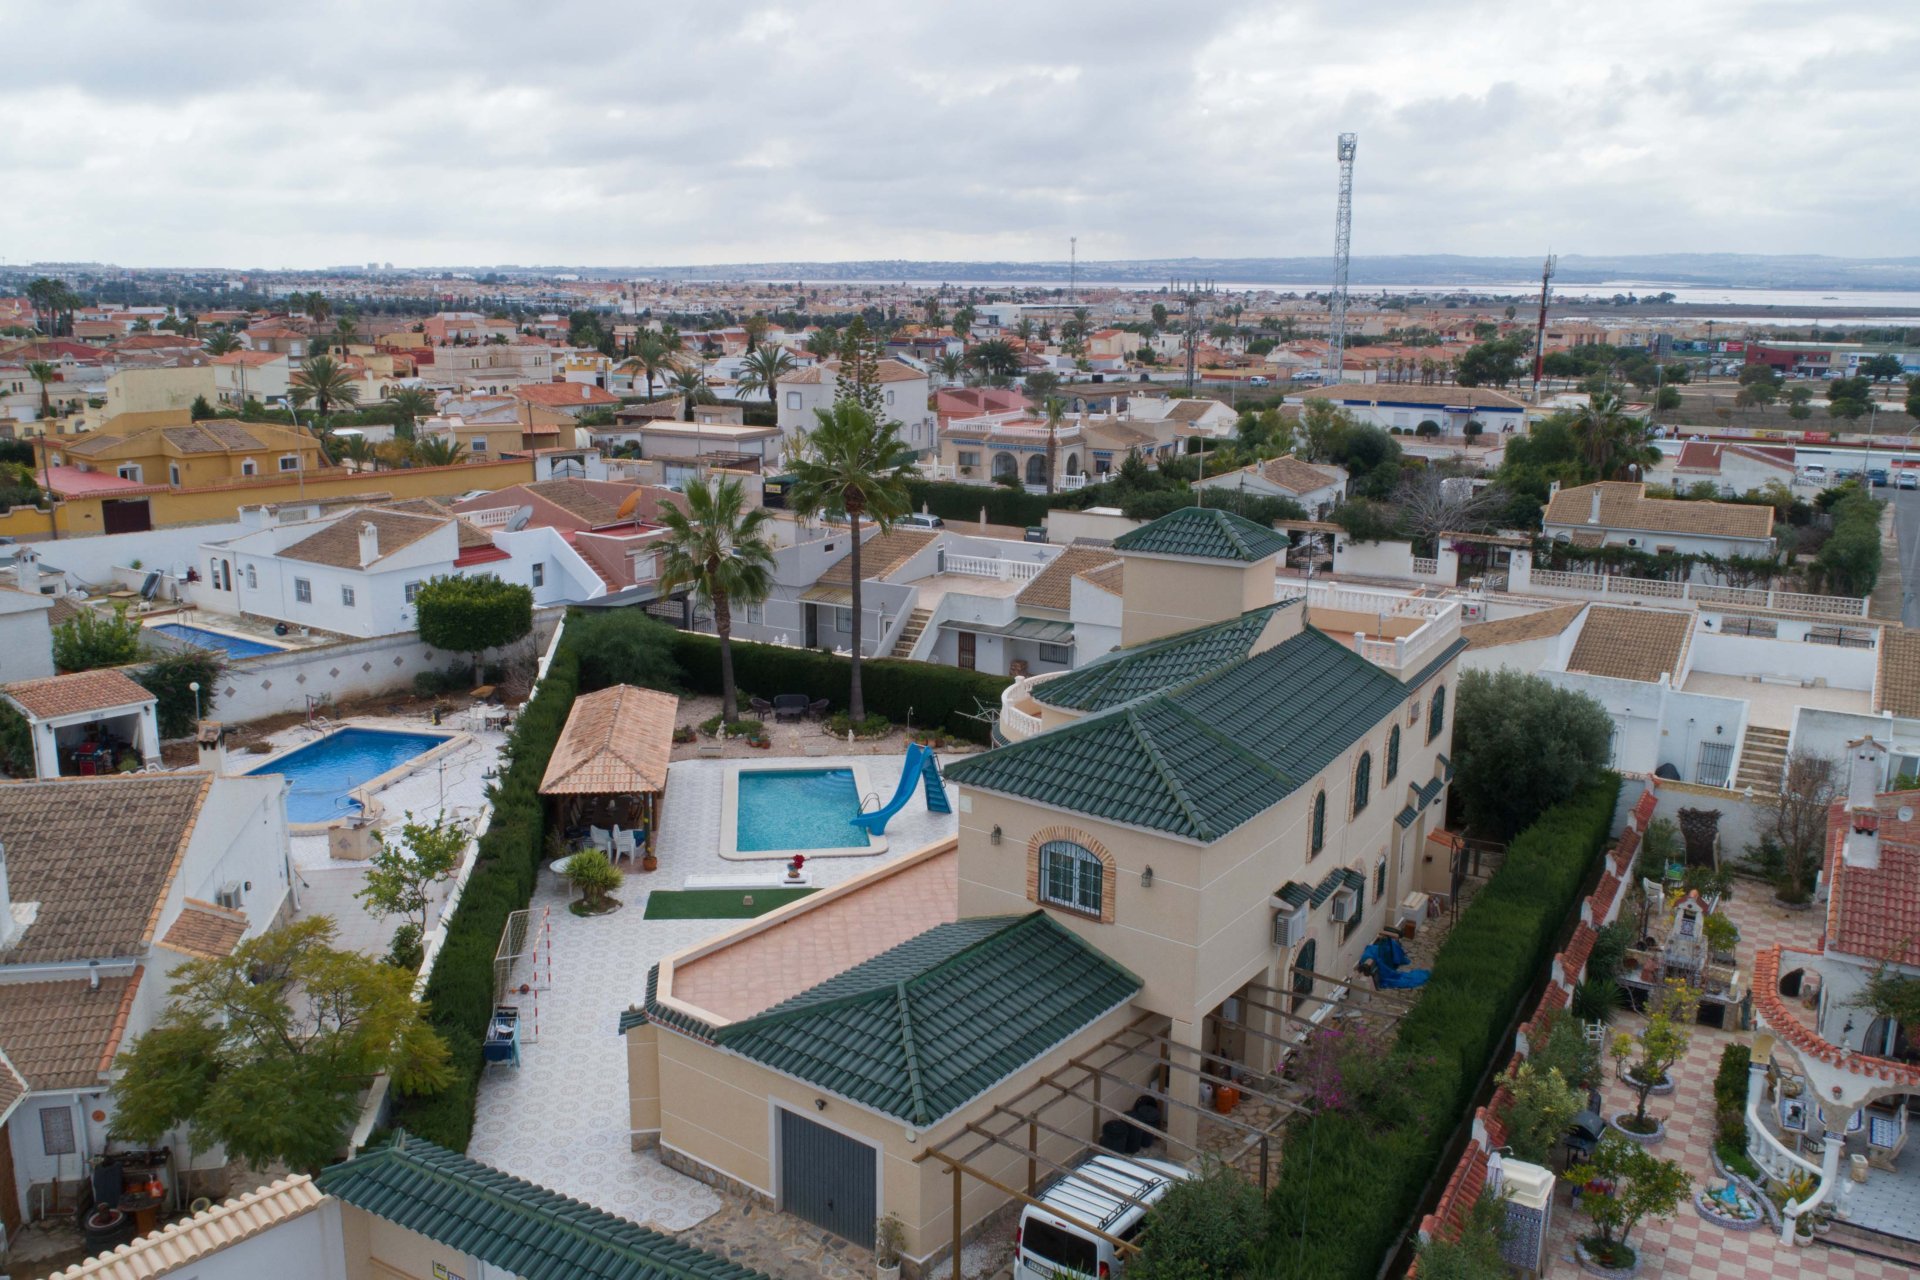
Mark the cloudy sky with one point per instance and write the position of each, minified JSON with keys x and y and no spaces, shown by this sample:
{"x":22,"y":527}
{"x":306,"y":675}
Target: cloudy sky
{"x":251,"y":134}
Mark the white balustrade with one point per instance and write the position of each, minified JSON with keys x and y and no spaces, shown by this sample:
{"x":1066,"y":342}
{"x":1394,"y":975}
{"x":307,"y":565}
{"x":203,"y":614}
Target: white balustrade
{"x":1607,"y":584}
{"x":991,"y":567}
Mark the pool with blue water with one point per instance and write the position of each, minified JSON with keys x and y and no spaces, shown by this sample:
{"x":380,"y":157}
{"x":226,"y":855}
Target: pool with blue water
{"x":798,"y":809}
{"x":235,"y":646}
{"x":325,"y":772}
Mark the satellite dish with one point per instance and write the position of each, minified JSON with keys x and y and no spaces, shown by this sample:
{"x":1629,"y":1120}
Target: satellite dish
{"x":520,"y":519}
{"x":1906,"y":813}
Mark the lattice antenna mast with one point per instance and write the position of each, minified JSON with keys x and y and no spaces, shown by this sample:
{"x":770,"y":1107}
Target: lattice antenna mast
{"x":1073,"y":268}
{"x":1196,"y":297}
{"x":1342,"y":244}
{"x":1540,"y":330}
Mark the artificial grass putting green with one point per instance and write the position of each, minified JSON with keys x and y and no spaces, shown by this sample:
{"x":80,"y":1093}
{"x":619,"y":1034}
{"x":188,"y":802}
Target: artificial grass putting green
{"x":717,"y":904}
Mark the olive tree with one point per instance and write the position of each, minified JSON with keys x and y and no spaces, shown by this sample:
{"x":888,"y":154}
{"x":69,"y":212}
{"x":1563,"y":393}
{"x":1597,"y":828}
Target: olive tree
{"x":472,"y":615}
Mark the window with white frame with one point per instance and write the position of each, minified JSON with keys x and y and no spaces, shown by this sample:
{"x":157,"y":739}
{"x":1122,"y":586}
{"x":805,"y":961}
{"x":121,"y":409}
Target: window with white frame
{"x":290,"y":462}
{"x":756,"y":614}
{"x":303,"y":590}
{"x":843,"y":620}
{"x":249,"y":467}
{"x":1072,"y":876}
{"x":793,"y":399}
{"x":56,"y":1131}
{"x":346,"y":597}
{"x":477,"y":445}
{"x":412,"y":590}
{"x":173,"y":474}
{"x":253,"y":579}
{"x":968,"y":457}
{"x":539,"y":574}
{"x":128,"y":471}
{"x":1055,"y":653}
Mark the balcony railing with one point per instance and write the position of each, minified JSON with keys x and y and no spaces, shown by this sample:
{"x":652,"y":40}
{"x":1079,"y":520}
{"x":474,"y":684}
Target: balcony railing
{"x":991,"y":567}
{"x":1609,"y":584}
{"x":1016,"y":722}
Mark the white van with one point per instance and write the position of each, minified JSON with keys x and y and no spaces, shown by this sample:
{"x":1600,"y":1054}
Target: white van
{"x":1049,"y":1247}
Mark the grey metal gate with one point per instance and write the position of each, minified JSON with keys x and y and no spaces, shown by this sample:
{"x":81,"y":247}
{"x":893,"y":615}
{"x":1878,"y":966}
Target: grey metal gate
{"x":827,"y":1178}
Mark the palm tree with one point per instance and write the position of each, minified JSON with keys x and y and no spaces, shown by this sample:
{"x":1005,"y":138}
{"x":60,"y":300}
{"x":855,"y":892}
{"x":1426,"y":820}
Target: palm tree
{"x":409,"y":405}
{"x":1024,"y":330}
{"x":952,"y":366}
{"x":996,"y":359}
{"x":1041,"y":385}
{"x":763,"y":369}
{"x":360,"y":452}
{"x":1056,"y":408}
{"x":326,"y":382}
{"x":859,"y":465}
{"x":652,"y":356}
{"x":1610,"y":438}
{"x":690,"y":381}
{"x":345,"y":331}
{"x":45,"y":374}
{"x":719,"y":546}
{"x":317,"y":307}
{"x":437,"y":451}
{"x":223,"y":342}
{"x":824,"y":342}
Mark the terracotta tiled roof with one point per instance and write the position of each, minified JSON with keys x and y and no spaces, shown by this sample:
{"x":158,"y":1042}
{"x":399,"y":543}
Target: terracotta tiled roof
{"x":63,"y":1035}
{"x":807,"y":377}
{"x":76,"y":694}
{"x":1874,"y":912}
{"x":1805,"y":1041}
{"x":1897,"y":688}
{"x":1052,"y":587}
{"x":250,"y":359}
{"x":1631,"y":644}
{"x":1625,"y":505}
{"x":1573,"y":960}
{"x":579,"y":497}
{"x":99,"y":855}
{"x":616,"y":742}
{"x":208,"y":1232}
{"x":1291,"y":473}
{"x":205,"y":930}
{"x":339,"y":543}
{"x":1108,"y":578}
{"x":566,"y":395}
{"x":879,"y":556}
{"x":1527,"y":626}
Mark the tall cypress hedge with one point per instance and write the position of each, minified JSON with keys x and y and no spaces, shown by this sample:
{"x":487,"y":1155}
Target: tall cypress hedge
{"x":1349,"y":1182}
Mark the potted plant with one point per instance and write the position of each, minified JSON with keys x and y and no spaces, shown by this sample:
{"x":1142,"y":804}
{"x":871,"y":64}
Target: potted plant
{"x":889,"y":1238}
{"x":1624,"y":1183}
{"x":1661,"y":1044}
{"x":596,"y":878}
{"x":649,"y":860}
{"x":1722,"y":934}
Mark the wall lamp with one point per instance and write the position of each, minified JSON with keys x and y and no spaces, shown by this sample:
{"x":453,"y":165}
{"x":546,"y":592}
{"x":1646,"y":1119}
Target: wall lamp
{"x":995,"y":837}
{"x":1146,"y":878}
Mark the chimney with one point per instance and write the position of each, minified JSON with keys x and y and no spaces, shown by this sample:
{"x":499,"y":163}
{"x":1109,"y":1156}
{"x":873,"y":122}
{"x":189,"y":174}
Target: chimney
{"x":1593,"y":516}
{"x":26,"y":575}
{"x":211,"y":738}
{"x":369,"y":543}
{"x":1866,"y":764}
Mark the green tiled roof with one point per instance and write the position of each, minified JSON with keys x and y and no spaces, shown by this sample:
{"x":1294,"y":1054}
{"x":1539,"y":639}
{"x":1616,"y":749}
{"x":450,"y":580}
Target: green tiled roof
{"x":1205,"y":533}
{"x":1333,"y":880}
{"x":1201,"y":759}
{"x":1126,"y":674}
{"x":513,"y":1224}
{"x":1293,"y":893}
{"x":918,"y":1031}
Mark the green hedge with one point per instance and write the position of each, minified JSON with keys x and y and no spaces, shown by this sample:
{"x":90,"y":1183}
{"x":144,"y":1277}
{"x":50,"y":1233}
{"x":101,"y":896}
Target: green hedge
{"x":935,"y":696}
{"x":460,"y":991}
{"x":1348,"y":1183}
{"x":962,"y":502}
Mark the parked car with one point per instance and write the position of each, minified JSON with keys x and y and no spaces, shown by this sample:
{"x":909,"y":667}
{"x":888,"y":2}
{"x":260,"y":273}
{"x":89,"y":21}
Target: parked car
{"x":1814,"y":471}
{"x":1047,"y":1247}
{"x":1878,"y":477}
{"x":1908,"y":480}
{"x":1306,"y":375}
{"x":921,"y":520}
{"x":1258,"y":380}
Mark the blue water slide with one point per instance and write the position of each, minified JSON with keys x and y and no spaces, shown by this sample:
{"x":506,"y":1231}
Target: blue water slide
{"x":875,"y":823}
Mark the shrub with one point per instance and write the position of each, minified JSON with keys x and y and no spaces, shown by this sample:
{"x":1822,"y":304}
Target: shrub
{"x":741,"y":728}
{"x":1544,"y":1104}
{"x":91,"y":639}
{"x":625,"y":646}
{"x":1349,"y":1182}
{"x":1523,"y":745}
{"x":406,"y":950}
{"x":1200,"y":1228}
{"x":963,"y":502}
{"x":840,"y":724}
{"x":1730,"y":1110}
{"x":454,"y":678}
{"x":16,"y":743}
{"x":176,"y":705}
{"x":469,"y":615}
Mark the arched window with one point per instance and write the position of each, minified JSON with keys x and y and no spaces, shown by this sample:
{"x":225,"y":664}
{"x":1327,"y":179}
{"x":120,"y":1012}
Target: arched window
{"x":1004,"y":465}
{"x":1437,"y":713}
{"x":1319,"y":840}
{"x":1362,"y":781}
{"x":1072,"y":876}
{"x":1303,"y":982}
{"x":1073,"y":464}
{"x":1037,"y":469}
{"x":1393,"y":754}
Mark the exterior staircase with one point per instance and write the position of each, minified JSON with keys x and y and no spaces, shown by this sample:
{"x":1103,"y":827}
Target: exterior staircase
{"x":1763,"y":756}
{"x":910,"y":634}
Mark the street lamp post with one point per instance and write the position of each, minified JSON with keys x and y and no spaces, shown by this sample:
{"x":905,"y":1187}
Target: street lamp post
{"x":195,"y":686}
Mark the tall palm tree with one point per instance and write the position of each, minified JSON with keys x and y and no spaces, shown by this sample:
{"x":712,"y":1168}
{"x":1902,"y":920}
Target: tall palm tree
{"x":719,"y":546}
{"x":690,"y":382}
{"x":763,"y":369}
{"x":409,"y":405}
{"x":1024,"y":330}
{"x":437,"y":451}
{"x":823,"y":342}
{"x":360,"y":452}
{"x":317,"y":307}
{"x":345,"y":331}
{"x":1056,"y":408}
{"x":326,"y":382}
{"x":1610,"y":438}
{"x":855,"y":464}
{"x":952,"y":367}
{"x":652,"y":356}
{"x":45,"y":374}
{"x":223,"y":342}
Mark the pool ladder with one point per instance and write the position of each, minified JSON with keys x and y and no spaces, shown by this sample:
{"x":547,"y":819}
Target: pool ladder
{"x":873,"y":796}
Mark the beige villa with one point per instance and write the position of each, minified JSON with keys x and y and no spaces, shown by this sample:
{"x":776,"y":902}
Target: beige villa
{"x":1161,"y":852}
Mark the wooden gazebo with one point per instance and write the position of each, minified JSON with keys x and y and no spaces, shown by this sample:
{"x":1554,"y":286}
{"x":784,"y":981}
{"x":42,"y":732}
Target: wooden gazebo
{"x":610,"y":765}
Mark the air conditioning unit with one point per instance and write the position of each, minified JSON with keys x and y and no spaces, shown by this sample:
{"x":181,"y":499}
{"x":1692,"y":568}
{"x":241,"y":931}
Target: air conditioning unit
{"x":1473,"y":612}
{"x":1346,"y":904}
{"x":1633,"y":542}
{"x":1290,"y":926}
{"x":229,"y":895}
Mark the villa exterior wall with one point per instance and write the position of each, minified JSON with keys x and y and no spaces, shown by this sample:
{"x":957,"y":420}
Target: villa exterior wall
{"x":1165,"y":596}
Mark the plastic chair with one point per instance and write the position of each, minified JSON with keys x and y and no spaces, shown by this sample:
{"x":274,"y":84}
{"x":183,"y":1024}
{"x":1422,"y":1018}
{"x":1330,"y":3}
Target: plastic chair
{"x":600,"y":838}
{"x":624,"y":844}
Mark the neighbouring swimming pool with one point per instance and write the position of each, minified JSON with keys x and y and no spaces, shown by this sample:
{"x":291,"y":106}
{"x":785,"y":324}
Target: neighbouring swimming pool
{"x":323,"y":773}
{"x":236,"y":646}
{"x":798,"y":809}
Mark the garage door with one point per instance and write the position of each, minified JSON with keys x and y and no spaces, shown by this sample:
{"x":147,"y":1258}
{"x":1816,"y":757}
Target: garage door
{"x":827,"y":1178}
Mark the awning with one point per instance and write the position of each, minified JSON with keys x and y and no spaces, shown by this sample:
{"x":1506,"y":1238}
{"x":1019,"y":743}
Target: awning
{"x":1042,"y":630}
{"x":817,"y":594}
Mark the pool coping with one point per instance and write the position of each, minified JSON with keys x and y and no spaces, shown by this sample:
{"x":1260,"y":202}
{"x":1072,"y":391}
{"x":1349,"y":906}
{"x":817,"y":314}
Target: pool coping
{"x":730,"y":809}
{"x":155,"y":623}
{"x":371,"y":811}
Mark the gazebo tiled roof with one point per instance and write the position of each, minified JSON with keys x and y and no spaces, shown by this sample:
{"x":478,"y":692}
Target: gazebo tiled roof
{"x":616,"y":742}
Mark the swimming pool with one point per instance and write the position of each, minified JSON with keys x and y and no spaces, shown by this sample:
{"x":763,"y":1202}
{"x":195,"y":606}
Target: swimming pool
{"x":325,"y":772}
{"x":798,"y":809}
{"x":236,"y":646}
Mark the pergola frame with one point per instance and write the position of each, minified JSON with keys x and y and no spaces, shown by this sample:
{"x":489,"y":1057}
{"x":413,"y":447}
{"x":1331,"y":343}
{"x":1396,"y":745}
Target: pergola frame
{"x":1081,"y":1079}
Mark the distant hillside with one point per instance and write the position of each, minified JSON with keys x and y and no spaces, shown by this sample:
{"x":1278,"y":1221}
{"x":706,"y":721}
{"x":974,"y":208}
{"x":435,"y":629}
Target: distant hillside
{"x":1738,"y":270}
